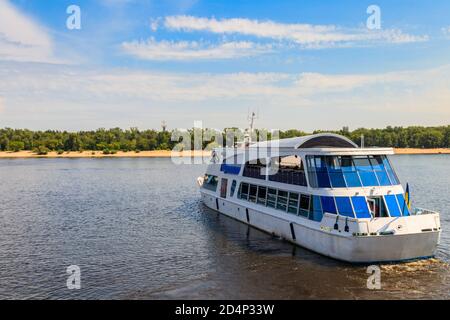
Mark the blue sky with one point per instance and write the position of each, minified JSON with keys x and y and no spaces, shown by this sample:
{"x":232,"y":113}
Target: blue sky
{"x":302,"y":64}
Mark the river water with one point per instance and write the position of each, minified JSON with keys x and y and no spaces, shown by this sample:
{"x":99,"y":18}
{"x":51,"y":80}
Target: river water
{"x":137,"y":230}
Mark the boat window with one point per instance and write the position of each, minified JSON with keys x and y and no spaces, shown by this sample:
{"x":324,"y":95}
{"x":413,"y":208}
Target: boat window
{"x":349,"y":171}
{"x":282,"y":200}
{"x":377,"y":207}
{"x":288,"y":170}
{"x":328,"y":204}
{"x":304,"y":205}
{"x":335,"y":172}
{"x":223,"y":188}
{"x":391,"y":202}
{"x":293,"y":203}
{"x":380,"y":171}
{"x":365,"y":171}
{"x":210,"y":182}
{"x":361,"y":208}
{"x":271,"y":197}
{"x":230,"y":168}
{"x":252,"y":193}
{"x":262,"y":191}
{"x":255,"y":170}
{"x":313,"y":207}
{"x":323,"y":178}
{"x":318,"y":172}
{"x":403,"y":206}
{"x":316,"y":209}
{"x":233,"y":188}
{"x":243,"y":192}
{"x":390,"y":171}
{"x":311,"y":171}
{"x":344,"y":207}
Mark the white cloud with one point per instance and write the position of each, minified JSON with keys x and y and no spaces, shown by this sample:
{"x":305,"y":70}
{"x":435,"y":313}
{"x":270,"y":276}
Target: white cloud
{"x":22,"y":39}
{"x":160,"y":86}
{"x":154,"y":24}
{"x":71,"y":97}
{"x":316,"y":82}
{"x":116,"y":2}
{"x":2,"y":106}
{"x":191,"y":50}
{"x":307,"y":35}
{"x":446,"y":31}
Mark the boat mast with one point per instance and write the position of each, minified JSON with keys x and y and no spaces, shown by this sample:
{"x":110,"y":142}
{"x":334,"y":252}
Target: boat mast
{"x":249,"y":131}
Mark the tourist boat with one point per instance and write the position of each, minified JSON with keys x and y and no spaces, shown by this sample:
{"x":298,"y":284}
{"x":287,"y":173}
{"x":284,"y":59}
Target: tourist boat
{"x":324,"y":193}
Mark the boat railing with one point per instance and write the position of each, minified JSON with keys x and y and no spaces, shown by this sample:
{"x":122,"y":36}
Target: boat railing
{"x":421,"y":211}
{"x":289,"y":176}
{"x":283,"y":175}
{"x":254,"y":172}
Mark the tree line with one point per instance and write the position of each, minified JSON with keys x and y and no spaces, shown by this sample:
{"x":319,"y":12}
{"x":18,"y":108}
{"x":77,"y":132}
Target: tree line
{"x":133,"y":139}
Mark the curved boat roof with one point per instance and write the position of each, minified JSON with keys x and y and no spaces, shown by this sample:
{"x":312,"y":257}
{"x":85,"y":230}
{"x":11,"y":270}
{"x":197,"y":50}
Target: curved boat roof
{"x":321,"y":140}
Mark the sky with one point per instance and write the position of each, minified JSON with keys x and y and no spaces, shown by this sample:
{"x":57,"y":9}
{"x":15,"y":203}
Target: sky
{"x":300,"y":64}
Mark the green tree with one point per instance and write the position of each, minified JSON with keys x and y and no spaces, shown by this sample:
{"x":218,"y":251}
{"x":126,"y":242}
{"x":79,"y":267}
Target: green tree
{"x":16,"y":146}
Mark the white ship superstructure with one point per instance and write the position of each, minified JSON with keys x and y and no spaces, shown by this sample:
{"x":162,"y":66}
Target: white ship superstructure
{"x":324,"y":193}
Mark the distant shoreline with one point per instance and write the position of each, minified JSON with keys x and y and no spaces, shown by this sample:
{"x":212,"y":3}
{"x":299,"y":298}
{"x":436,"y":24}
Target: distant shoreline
{"x":165,"y":154}
{"x":421,"y":151}
{"x":100,"y":154}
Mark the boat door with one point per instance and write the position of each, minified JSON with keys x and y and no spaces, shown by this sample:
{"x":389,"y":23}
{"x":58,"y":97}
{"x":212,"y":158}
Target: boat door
{"x":372,"y":206}
{"x":377,"y":207}
{"x":223,"y":188}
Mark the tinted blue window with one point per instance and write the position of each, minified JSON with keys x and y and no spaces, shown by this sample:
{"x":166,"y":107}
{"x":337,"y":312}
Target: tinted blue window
{"x":344,"y":206}
{"x":361,"y":208}
{"x":311,"y":171}
{"x":328,"y":205}
{"x":230,"y":168}
{"x":378,"y":167}
{"x":322,"y":174}
{"x":349,"y":171}
{"x":402,"y":203}
{"x":335,"y":172}
{"x":233,"y":187}
{"x":316,"y":209}
{"x":365,"y":171}
{"x":352,"y":179}
{"x":368,"y":178}
{"x":389,"y":171}
{"x":383,"y":178}
{"x":323,"y":179}
{"x":337,"y":178}
{"x":392,"y":205}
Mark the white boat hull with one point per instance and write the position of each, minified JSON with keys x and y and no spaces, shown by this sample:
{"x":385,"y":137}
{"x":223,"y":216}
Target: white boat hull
{"x":355,"y":249}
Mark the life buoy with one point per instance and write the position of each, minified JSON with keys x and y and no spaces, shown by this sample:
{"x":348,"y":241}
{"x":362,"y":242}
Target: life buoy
{"x":200,"y":181}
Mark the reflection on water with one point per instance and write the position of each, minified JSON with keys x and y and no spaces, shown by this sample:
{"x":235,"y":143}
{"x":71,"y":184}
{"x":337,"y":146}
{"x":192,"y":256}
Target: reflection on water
{"x":137,"y":229}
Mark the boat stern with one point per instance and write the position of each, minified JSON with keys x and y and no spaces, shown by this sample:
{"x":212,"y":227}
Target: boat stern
{"x":393,"y":239}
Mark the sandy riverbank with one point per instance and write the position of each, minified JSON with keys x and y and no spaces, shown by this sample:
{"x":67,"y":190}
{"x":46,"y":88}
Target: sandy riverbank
{"x":421,"y":151}
{"x":164,"y":154}
{"x":99,"y":154}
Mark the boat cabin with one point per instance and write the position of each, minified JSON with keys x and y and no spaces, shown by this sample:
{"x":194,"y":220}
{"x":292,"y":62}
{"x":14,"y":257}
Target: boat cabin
{"x":311,"y":175}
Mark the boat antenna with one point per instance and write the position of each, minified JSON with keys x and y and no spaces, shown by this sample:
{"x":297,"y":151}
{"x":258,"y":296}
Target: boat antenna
{"x":248,"y":136}
{"x":251,"y":119}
